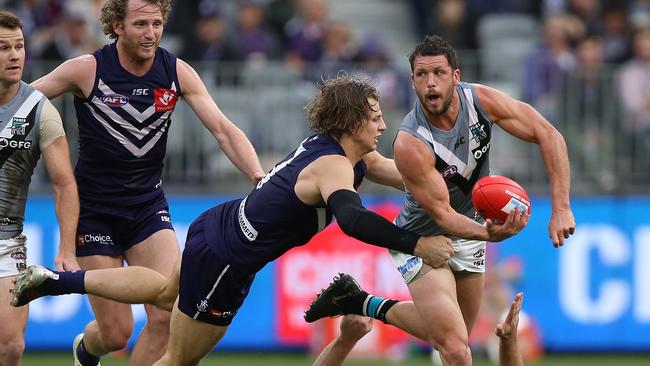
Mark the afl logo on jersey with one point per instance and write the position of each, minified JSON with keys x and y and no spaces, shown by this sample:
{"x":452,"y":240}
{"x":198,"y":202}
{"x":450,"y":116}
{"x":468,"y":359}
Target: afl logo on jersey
{"x":449,"y":171}
{"x":115,"y":100}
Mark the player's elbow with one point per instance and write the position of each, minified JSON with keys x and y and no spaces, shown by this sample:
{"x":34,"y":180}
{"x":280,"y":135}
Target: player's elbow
{"x":444,"y":217}
{"x":65,"y":188}
{"x":165,"y":302}
{"x":346,"y":207}
{"x":347,"y":223}
{"x":441,"y":214}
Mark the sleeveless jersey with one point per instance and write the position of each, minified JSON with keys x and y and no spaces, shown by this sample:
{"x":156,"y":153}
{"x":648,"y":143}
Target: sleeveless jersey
{"x":19,"y":153}
{"x":461,"y":157}
{"x":123,"y":127}
{"x":272,"y":219}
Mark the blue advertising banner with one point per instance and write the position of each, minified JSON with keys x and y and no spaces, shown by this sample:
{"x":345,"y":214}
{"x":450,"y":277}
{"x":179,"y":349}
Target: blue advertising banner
{"x":594,"y":292}
{"x":591,"y":294}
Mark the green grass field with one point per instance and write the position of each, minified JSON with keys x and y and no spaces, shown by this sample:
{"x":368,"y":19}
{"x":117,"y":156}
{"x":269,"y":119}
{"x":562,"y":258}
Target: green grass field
{"x":273,"y":359}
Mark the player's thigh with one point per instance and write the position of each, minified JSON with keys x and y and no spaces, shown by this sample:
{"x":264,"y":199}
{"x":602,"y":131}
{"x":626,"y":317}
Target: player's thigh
{"x":159,"y":252}
{"x":468,"y":264}
{"x":12,"y":319}
{"x":190,"y":339}
{"x":111,"y":316}
{"x":434,"y":296}
{"x":469,"y":289}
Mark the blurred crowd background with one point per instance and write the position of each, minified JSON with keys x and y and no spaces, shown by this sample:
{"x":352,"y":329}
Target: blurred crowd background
{"x":584,"y":64}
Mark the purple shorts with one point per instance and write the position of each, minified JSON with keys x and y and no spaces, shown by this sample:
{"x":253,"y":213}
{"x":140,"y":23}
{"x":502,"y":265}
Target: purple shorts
{"x":211,"y":290}
{"x":112,"y":230}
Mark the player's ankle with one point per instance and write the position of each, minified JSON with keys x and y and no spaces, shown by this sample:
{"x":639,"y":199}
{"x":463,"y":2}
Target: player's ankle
{"x":377,"y":307}
{"x":86,"y":358}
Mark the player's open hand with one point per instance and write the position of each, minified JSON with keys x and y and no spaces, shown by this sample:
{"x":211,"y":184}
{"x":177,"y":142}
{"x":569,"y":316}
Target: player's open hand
{"x":354,"y":327}
{"x":561,"y":226}
{"x":516,"y":221}
{"x":434,"y":250}
{"x":508,"y":328}
{"x":66,"y":261}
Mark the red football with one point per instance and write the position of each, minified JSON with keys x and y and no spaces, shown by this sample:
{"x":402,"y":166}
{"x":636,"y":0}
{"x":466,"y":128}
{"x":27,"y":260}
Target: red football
{"x":495,"y":196}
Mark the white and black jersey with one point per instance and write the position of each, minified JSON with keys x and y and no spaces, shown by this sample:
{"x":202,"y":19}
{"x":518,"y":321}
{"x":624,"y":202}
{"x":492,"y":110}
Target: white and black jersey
{"x":21,"y":141}
{"x":461,"y":154}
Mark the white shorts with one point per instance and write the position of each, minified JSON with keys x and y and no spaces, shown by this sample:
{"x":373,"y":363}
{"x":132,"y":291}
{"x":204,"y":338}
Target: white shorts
{"x":469,"y":255}
{"x":13,"y":255}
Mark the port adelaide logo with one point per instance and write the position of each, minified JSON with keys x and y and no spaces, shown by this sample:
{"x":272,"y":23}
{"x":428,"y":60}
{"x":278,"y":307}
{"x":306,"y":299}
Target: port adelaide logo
{"x":19,"y":126}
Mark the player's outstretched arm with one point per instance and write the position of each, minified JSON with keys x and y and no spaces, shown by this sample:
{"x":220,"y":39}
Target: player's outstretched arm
{"x":523,"y":121}
{"x":231,"y":139}
{"x":330,"y":178}
{"x":509,"y":354}
{"x":382,"y":170}
{"x":353,"y":328}
{"x":76,"y":75}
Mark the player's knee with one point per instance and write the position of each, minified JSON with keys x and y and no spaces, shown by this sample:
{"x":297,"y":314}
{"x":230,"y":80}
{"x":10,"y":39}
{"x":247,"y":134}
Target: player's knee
{"x":165,"y":301}
{"x":455,"y":352}
{"x":11,"y":350}
{"x":158,"y":318}
{"x":116,"y":338}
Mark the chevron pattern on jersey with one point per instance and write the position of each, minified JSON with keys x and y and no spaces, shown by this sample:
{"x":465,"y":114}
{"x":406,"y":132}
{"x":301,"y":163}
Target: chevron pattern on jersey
{"x":137,"y":131}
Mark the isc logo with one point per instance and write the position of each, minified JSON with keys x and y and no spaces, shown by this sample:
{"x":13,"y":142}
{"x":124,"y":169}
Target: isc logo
{"x":140,"y":91}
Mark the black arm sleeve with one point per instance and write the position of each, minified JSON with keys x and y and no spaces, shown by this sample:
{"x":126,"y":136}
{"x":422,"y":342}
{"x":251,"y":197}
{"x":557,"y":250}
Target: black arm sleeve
{"x":365,"y":225}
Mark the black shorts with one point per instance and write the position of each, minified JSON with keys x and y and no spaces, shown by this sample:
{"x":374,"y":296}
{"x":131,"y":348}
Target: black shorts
{"x":112,"y":230}
{"x":211,"y":289}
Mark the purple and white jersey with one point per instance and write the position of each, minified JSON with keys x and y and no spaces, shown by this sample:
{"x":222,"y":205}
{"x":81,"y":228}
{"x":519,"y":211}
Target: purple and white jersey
{"x":272,"y":219}
{"x":123,"y":126}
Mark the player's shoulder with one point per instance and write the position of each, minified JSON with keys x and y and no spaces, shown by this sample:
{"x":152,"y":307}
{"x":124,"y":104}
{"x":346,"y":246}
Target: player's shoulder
{"x":184,"y":66}
{"x":328,"y":163}
{"x":483,"y":91}
{"x":492,"y":100}
{"x":85,"y":58}
{"x":188,"y":78}
{"x":80,"y":64}
{"x":407,"y":141}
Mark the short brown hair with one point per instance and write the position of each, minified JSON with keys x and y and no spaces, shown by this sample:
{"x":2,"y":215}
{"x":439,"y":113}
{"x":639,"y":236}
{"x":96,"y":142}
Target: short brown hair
{"x":434,"y":46}
{"x":116,"y":9}
{"x":9,"y":20}
{"x":341,"y":105}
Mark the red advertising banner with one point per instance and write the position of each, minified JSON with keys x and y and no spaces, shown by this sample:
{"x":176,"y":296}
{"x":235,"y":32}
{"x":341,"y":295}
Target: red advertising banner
{"x":303,"y":271}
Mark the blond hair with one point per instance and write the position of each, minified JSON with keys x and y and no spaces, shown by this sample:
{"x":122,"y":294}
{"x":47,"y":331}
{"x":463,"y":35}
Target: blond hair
{"x":117,"y":9}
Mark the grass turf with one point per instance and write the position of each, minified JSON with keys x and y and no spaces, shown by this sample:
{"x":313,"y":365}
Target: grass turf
{"x":274,"y":359}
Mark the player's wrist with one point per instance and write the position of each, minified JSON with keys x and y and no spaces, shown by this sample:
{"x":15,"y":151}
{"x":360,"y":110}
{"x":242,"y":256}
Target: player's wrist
{"x":346,"y":340}
{"x":417,"y":249}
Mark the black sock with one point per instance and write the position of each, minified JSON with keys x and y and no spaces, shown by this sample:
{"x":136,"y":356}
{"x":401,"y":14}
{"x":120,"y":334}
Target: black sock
{"x":85,"y":357}
{"x":69,"y":282}
{"x":368,"y":305}
{"x":377,"y":307}
{"x":354,"y":304}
